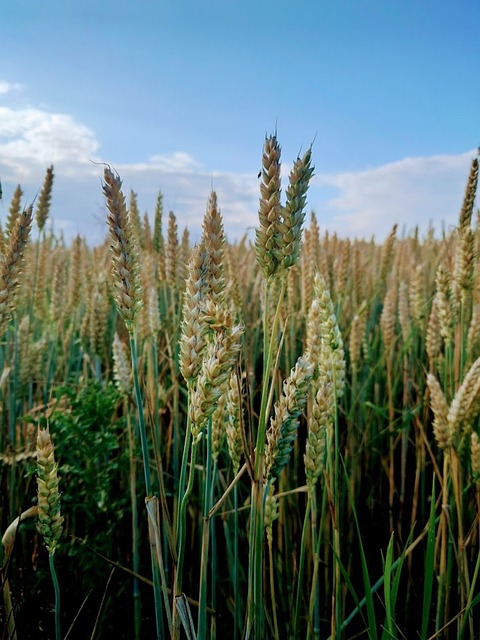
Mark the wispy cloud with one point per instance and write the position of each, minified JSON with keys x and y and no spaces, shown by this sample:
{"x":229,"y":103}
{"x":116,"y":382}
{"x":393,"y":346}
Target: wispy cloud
{"x":7,"y":87}
{"x":410,"y":191}
{"x":355,"y":203}
{"x":186,"y":190}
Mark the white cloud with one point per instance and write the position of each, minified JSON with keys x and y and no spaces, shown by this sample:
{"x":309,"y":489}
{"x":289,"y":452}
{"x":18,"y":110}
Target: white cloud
{"x":175,"y":162}
{"x":7,"y":87}
{"x":31,"y":139}
{"x":355,"y":203}
{"x":186,"y":192}
{"x":408,"y":192}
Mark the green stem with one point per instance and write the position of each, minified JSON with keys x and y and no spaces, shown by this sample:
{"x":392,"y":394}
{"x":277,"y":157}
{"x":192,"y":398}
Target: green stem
{"x":148,"y":481}
{"x":272,"y":591}
{"x":335,"y":484}
{"x":180,"y":510}
{"x":442,"y":570}
{"x":255,"y":598}
{"x":141,"y":415}
{"x":468,"y":615}
{"x":213,"y":561}
{"x":160,"y":580}
{"x":301,"y":567}
{"x":314,"y":605}
{"x":202,"y":606}
{"x":181,"y":533}
{"x":56,"y":588}
{"x":184,"y":467}
{"x":135,"y":553}
{"x":236,"y":586}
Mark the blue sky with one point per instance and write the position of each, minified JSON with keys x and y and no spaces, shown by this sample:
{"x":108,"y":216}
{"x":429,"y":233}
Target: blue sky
{"x":179,"y":95}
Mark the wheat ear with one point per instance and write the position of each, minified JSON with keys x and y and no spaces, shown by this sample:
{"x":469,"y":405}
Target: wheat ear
{"x":13,"y":210}
{"x":320,"y":425}
{"x":284,"y":425}
{"x":50,"y":519}
{"x":220,"y":355}
{"x":267,"y":240}
{"x":234,"y":425}
{"x":44,"y":200}
{"x":466,"y":403}
{"x":294,"y":210}
{"x":475,"y":456}
{"x":441,"y":429}
{"x":10,"y":266}
{"x":127,"y":290}
{"x":192,"y":339}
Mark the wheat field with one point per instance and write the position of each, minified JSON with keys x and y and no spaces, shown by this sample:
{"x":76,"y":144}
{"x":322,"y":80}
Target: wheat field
{"x":275,"y":437}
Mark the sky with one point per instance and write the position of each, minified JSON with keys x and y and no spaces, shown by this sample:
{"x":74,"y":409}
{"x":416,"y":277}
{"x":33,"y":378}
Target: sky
{"x":178,"y":96}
